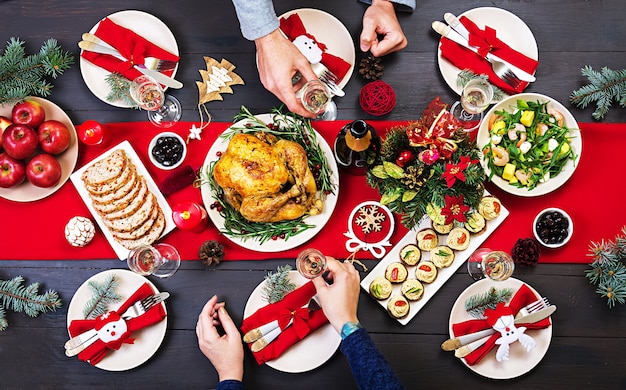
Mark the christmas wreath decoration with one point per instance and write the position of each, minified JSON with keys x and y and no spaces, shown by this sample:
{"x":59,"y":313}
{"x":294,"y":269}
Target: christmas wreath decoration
{"x":429,"y":167}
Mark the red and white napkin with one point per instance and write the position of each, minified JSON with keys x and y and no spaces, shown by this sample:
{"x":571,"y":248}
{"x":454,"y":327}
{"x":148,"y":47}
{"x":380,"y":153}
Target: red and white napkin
{"x":99,"y":349}
{"x":487,"y":41}
{"x":293,"y":27}
{"x":291,"y":306}
{"x":522,"y":297}
{"x":131,"y":45}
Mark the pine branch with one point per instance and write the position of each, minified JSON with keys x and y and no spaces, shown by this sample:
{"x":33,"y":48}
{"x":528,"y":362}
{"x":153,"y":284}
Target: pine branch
{"x":277,"y":284}
{"x":477,"y":304}
{"x":608,"y":269}
{"x":14,"y":295}
{"x":605,"y":87}
{"x":103,"y":294}
{"x":3,"y":321}
{"x":22,"y":75}
{"x":120,"y":90}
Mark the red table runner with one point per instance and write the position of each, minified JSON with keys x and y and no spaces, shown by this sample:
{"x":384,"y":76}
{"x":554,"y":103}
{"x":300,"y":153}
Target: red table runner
{"x":34,"y":231}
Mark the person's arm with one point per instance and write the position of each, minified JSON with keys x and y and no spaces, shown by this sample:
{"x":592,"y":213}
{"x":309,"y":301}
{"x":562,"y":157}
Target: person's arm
{"x":224,"y":351}
{"x":380,"y":19}
{"x":369,"y":367}
{"x":401,"y":5}
{"x":257,"y":18}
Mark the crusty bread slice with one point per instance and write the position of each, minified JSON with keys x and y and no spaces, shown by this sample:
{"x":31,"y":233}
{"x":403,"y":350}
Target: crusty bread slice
{"x":115,"y":184}
{"x":140,"y":230}
{"x":106,"y":169}
{"x":129,"y":205}
{"x":150,"y":237}
{"x":106,"y":204}
{"x":133,"y":221}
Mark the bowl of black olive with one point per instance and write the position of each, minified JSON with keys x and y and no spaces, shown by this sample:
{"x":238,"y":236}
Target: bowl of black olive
{"x":167,"y":150}
{"x":553,"y":227}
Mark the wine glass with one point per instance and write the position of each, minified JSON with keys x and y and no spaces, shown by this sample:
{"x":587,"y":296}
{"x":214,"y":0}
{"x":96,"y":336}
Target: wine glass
{"x":318,"y":99}
{"x":496,"y":265}
{"x":475,"y":98}
{"x":161,"y":260}
{"x":163,"y":110}
{"x":311,"y":263}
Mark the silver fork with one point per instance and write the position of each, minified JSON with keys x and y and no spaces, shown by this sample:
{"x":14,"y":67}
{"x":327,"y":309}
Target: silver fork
{"x":328,"y":78}
{"x":534,"y":307}
{"x":140,"y":307}
{"x":91,"y":42}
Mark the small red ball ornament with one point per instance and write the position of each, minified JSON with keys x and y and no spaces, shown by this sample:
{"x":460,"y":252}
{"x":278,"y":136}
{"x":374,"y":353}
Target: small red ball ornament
{"x":377,"y":98}
{"x":404,"y":157}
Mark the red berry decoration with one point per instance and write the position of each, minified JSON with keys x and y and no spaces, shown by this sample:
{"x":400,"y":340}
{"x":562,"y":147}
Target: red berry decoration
{"x":377,"y":98}
{"x":404,"y":158}
{"x":526,"y":251}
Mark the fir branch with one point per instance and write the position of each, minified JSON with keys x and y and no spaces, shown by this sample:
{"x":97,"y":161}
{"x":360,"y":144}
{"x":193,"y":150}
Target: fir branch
{"x":605,"y":87}
{"x":103,"y":295}
{"x":277,"y":284}
{"x":3,"y":321}
{"x":608,"y":269}
{"x":119,"y":90}
{"x":14,"y":295}
{"x":477,"y":304}
{"x":22,"y":75}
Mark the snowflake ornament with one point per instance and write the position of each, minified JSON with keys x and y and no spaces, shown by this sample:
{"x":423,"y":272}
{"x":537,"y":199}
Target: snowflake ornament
{"x":371,"y":217}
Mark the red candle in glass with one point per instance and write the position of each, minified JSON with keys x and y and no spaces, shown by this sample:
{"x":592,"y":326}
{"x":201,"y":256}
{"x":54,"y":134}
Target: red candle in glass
{"x":189,"y":216}
{"x":93,"y":133}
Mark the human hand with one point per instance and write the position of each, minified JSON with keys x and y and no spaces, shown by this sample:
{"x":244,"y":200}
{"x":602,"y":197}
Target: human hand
{"x":340,"y":299}
{"x":380,"y":19}
{"x":278,"y":60}
{"x":226,"y":351}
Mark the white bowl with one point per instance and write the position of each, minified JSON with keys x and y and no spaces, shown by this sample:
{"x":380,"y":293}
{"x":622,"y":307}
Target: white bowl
{"x":570,"y":228}
{"x":152,"y":145}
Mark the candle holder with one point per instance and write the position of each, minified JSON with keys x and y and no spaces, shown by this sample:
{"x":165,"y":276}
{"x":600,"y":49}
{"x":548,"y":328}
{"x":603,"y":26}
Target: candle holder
{"x":190,"y":216}
{"x":93,"y":133}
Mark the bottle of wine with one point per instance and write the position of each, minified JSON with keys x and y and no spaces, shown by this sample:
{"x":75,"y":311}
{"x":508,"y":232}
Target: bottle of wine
{"x":357,"y":147}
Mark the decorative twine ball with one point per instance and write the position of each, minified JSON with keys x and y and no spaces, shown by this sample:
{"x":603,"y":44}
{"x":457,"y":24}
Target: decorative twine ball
{"x":377,"y":98}
{"x":526,"y":251}
{"x":79,"y":231}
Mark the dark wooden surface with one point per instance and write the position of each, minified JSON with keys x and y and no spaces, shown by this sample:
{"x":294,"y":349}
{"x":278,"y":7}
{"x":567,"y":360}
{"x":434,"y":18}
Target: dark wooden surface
{"x":588,"y":341}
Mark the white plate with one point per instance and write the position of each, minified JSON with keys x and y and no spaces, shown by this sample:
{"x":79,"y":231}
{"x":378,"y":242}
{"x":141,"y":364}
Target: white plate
{"x":509,"y":104}
{"x":520,"y":361}
{"x":510,"y":29}
{"x":27,"y":192}
{"x":147,"y":340}
{"x":122,"y":252}
{"x":318,"y":221}
{"x":443,"y":274}
{"x":142,"y":23}
{"x":328,"y":30}
{"x":310,"y":352}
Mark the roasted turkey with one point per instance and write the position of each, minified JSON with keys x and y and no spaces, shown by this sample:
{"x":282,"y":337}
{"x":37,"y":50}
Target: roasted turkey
{"x":266,"y":178}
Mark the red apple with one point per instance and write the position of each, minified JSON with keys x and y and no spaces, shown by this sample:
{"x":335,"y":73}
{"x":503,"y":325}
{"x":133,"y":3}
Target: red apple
{"x":28,"y":112}
{"x":43,"y":170}
{"x":19,"y":141}
{"x":54,"y":137}
{"x":4,"y":123}
{"x":12,"y":171}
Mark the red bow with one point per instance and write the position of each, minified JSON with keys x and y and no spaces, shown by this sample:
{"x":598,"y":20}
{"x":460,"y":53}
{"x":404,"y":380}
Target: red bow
{"x":522,"y":297}
{"x":293,"y":27}
{"x":486,"y":42}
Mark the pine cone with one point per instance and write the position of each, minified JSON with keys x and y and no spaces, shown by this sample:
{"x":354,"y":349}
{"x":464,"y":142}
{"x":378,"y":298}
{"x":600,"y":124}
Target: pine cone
{"x":211,"y":252}
{"x":526,"y":251}
{"x":371,"y":68}
{"x":415,"y":176}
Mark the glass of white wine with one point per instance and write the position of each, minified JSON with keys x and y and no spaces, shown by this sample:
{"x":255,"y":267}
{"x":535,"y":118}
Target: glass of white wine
{"x":163,"y":110}
{"x":475,"y":98}
{"x":311,"y":263}
{"x":495,"y":265}
{"x":318,"y":99}
{"x":161,"y":260}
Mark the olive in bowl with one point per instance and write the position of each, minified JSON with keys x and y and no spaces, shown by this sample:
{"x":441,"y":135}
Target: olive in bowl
{"x":167,"y":150}
{"x":553,"y":227}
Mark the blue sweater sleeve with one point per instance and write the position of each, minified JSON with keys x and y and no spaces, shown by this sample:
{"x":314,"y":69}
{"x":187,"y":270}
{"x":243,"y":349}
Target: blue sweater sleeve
{"x":369,"y":367}
{"x":230,"y":384}
{"x":257,"y":18}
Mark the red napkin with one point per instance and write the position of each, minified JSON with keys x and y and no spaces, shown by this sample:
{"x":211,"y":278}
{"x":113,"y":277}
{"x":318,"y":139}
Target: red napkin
{"x":131,"y":45}
{"x":304,"y":322}
{"x":486,"y":41}
{"x":99,"y":349}
{"x":522,"y":297}
{"x":293,"y":27}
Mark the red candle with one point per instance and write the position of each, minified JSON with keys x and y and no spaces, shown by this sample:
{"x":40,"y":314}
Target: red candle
{"x":189,"y":216}
{"x":93,"y":133}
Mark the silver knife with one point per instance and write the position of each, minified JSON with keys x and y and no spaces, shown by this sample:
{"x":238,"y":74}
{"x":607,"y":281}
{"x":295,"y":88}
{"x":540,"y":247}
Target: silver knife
{"x":453,"y":35}
{"x":256,"y":333}
{"x":459,"y":342}
{"x":158,"y":76}
{"x":471,"y":347}
{"x":268,"y":338}
{"x":79,"y":343}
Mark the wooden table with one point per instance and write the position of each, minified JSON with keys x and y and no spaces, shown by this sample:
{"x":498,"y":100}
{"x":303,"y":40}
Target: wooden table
{"x":588,"y":339}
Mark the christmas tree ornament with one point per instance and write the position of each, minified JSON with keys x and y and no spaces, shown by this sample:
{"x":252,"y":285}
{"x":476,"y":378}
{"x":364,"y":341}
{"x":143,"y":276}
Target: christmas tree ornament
{"x":211,"y":252}
{"x":79,"y":231}
{"x":217,"y":79}
{"x":404,"y":158}
{"x":371,"y":68}
{"x":526,"y":251}
{"x":370,"y":227}
{"x":377,"y":98}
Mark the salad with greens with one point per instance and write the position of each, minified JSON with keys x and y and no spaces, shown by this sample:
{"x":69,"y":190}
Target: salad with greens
{"x":528,"y":146}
